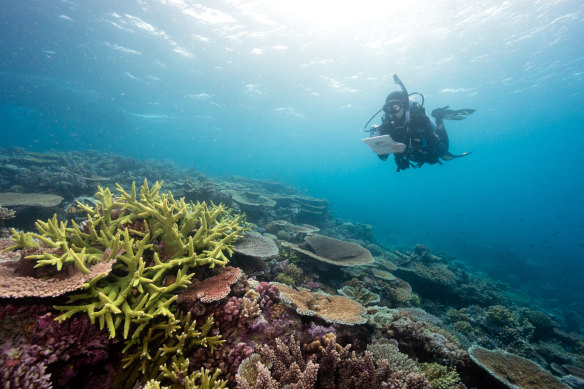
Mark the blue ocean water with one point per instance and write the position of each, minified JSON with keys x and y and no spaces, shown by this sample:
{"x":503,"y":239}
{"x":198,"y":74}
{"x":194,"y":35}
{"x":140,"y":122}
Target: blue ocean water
{"x":282,"y":91}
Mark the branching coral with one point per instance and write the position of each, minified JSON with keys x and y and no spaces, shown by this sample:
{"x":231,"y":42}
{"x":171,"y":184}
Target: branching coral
{"x":287,"y":368}
{"x":441,"y":377}
{"x":501,"y":315}
{"x":175,"y":337}
{"x":177,"y":373}
{"x":155,"y":241}
{"x":364,"y":372}
{"x":384,"y":349}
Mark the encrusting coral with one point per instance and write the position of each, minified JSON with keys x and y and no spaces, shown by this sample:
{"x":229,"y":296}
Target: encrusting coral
{"x":155,"y":241}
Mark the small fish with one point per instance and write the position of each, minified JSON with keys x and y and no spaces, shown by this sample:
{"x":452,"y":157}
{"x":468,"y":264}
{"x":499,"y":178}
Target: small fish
{"x":169,"y":280}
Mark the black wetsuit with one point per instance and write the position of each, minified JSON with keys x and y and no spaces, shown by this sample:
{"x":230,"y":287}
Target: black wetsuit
{"x":423,"y":144}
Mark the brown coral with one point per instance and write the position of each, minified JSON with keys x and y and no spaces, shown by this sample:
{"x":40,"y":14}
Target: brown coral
{"x":513,"y":370}
{"x":332,"y":251}
{"x":30,"y":199}
{"x":332,"y":309}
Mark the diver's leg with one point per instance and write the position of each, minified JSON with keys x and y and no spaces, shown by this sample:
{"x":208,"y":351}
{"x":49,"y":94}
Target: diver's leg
{"x":442,"y":136}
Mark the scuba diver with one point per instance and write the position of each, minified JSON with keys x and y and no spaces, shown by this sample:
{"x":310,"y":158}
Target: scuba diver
{"x":417,"y":138}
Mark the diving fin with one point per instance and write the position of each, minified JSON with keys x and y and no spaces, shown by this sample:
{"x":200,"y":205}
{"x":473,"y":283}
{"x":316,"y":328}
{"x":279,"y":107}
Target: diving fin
{"x":449,"y":156}
{"x":458,"y":114}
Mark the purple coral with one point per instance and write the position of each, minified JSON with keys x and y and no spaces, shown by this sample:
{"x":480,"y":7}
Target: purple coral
{"x":312,"y":286}
{"x":269,"y":294}
{"x":46,"y":347}
{"x":317,"y":331}
{"x":239,"y":352}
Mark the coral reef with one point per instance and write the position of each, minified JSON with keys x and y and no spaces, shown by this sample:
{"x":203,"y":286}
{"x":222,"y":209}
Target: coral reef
{"x":139,"y":294}
{"x":36,"y":350}
{"x":149,"y":236}
{"x":163,"y":348}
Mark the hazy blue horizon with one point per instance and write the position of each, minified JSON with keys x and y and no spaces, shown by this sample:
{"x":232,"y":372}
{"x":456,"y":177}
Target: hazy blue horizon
{"x":282,"y":92}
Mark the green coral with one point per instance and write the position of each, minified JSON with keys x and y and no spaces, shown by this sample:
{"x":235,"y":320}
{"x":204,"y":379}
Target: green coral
{"x":415,"y":300}
{"x":463,"y":327}
{"x":441,"y":377}
{"x":181,"y":379}
{"x":284,"y":279}
{"x":294,"y":272}
{"x":164,"y":348}
{"x":540,"y":320}
{"x":501,"y":315}
{"x":150,"y":236}
{"x":289,"y":255}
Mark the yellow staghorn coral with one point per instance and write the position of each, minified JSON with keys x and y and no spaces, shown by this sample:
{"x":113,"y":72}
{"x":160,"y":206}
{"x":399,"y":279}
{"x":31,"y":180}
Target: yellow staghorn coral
{"x":149,"y":235}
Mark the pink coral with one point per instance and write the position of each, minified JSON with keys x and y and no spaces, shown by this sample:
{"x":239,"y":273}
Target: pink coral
{"x":18,"y":279}
{"x":213,"y":288}
{"x":269,"y":294}
{"x":230,"y":311}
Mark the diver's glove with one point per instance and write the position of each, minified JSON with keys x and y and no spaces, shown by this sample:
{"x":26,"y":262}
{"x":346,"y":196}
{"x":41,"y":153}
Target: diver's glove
{"x":439,"y":113}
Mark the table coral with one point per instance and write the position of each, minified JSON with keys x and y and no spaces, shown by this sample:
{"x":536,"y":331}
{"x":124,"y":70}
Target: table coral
{"x":253,"y":244}
{"x":16,"y":281}
{"x":331,"y":251}
{"x":512,"y":370}
{"x":332,"y":309}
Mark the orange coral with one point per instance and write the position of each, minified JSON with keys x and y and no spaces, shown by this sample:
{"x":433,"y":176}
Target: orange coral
{"x":213,"y":288}
{"x":332,"y":309}
{"x":320,"y":344}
